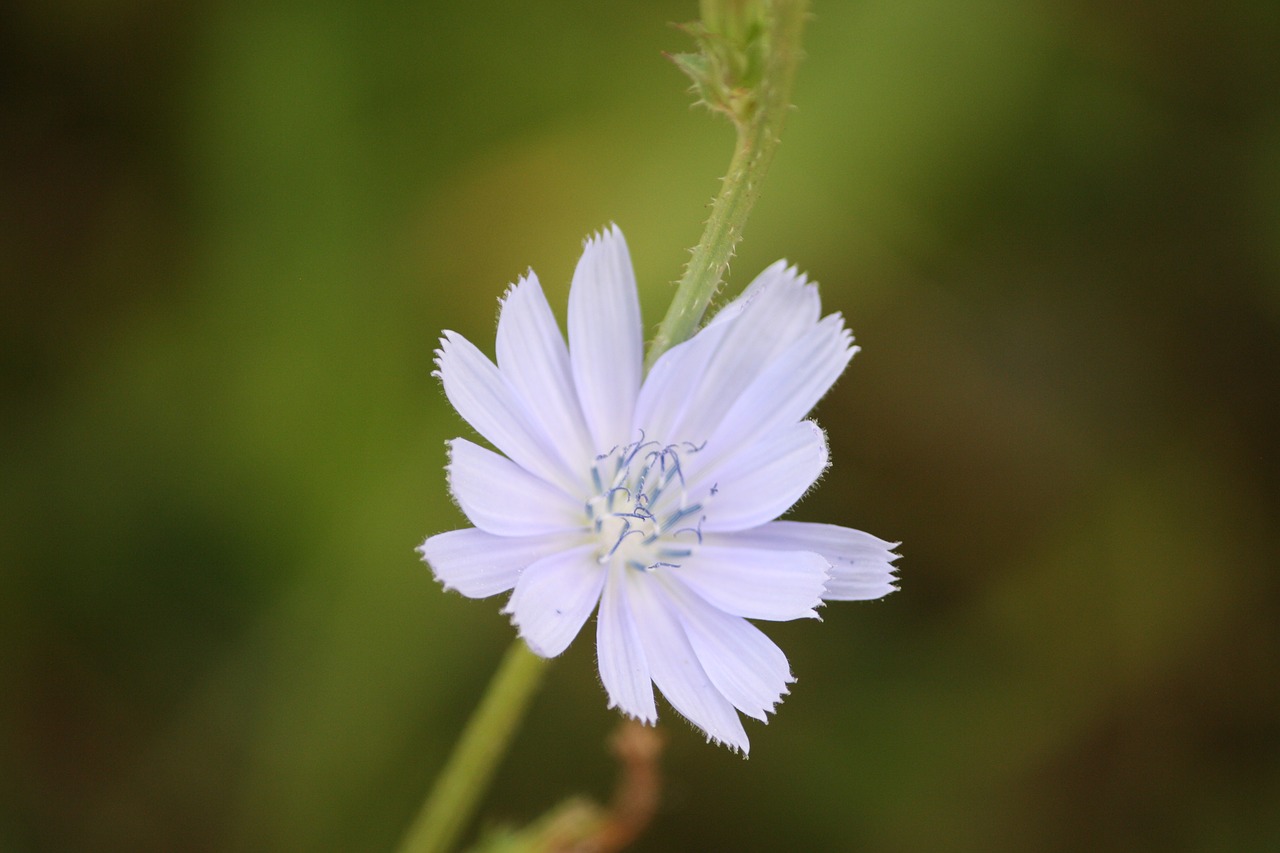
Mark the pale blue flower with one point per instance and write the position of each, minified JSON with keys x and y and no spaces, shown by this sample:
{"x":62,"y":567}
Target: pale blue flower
{"x":653,"y":498}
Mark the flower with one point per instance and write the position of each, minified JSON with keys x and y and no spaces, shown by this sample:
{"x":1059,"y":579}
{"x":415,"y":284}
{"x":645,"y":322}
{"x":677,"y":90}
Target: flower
{"x":653,"y":498}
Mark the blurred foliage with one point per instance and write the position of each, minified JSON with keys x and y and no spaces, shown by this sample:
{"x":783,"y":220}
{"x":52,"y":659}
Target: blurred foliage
{"x":232,"y":231}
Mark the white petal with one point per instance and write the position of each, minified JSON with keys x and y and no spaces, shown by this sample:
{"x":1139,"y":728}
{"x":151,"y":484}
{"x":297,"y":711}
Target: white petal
{"x":623,"y":667}
{"x":848,"y":583}
{"x":790,"y":386}
{"x":675,"y":379}
{"x":554,"y":597}
{"x":672,"y":384}
{"x":484,"y":399}
{"x":772,"y":318}
{"x":756,"y":583}
{"x":675,"y":667}
{"x":861,"y":564}
{"x":606,"y":344}
{"x":762,"y":481}
{"x":745,"y":665}
{"x":533,"y":357}
{"x":500,"y":497}
{"x":776,"y":273}
{"x":479,"y":564}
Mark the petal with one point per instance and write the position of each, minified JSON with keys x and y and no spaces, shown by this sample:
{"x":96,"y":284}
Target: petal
{"x":606,"y":344}
{"x":554,"y":597}
{"x":861,"y":564}
{"x":761,"y":482}
{"x":778,"y":272}
{"x":675,"y":667}
{"x":479,"y":564}
{"x":745,"y":665}
{"x":484,"y":399}
{"x":623,"y":667}
{"x":756,"y":583}
{"x":678,"y":371}
{"x":786,"y":390}
{"x":774,"y":315}
{"x":533,"y":357}
{"x":500,"y":497}
{"x":673,"y":383}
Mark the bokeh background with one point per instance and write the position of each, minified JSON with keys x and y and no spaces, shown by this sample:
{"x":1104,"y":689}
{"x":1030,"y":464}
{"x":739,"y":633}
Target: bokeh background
{"x":231,"y":232}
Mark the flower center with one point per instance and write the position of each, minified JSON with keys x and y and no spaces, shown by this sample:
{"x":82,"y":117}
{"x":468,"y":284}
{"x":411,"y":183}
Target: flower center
{"x":641,"y":515}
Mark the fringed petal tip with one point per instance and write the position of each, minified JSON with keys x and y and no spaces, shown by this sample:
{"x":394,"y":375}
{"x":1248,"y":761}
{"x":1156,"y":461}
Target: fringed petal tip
{"x":738,"y":743}
{"x":643,"y":719}
{"x":439,"y":354}
{"x":865,"y":579}
{"x":514,"y":289}
{"x":847,"y":346}
{"x":891,"y":571}
{"x":422,"y":552}
{"x":532,"y":646}
{"x":743,"y":749}
{"x":610,"y":231}
{"x":783,"y":272}
{"x":772,"y":707}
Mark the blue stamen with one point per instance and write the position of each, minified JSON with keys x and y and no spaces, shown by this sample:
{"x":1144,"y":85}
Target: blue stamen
{"x":680,"y":515}
{"x":626,"y":528}
{"x":696,"y":531}
{"x":627,"y":531}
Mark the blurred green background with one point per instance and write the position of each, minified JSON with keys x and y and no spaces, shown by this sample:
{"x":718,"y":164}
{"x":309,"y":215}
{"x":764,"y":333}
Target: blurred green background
{"x":230,"y":234}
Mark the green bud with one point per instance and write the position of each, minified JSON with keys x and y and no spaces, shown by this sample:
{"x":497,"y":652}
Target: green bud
{"x":726,"y":72}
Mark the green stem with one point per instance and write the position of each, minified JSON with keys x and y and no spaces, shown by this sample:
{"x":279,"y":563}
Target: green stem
{"x":758,"y":136}
{"x":464,"y":779}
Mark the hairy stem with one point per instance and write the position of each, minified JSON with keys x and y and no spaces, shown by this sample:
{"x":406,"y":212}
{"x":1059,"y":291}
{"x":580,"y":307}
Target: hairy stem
{"x":759,"y":131}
